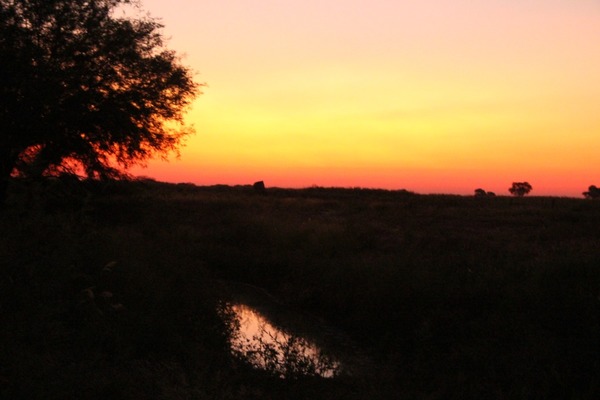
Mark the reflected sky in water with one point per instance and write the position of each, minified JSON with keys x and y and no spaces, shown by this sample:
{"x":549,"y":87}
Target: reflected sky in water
{"x":282,"y":353}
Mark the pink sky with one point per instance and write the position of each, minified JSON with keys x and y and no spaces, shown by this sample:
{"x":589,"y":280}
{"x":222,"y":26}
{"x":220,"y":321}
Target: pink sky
{"x":430,"y":96}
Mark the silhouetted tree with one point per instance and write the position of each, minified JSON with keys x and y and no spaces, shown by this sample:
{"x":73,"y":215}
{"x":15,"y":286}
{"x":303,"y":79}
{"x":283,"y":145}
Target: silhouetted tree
{"x":592,"y":193}
{"x":520,"y":189}
{"x":83,"y":89}
{"x":482,"y":193}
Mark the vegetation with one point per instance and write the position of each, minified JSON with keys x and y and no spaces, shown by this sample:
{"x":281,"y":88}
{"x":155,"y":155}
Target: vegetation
{"x":482,"y":193}
{"x":520,"y":189}
{"x":113,"y":290}
{"x":592,"y":193}
{"x":81,"y":89}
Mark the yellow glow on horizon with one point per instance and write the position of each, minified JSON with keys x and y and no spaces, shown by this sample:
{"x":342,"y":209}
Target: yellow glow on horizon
{"x":430,"y":96}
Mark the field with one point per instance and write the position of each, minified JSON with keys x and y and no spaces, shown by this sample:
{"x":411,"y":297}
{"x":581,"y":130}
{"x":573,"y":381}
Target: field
{"x":116,"y":290}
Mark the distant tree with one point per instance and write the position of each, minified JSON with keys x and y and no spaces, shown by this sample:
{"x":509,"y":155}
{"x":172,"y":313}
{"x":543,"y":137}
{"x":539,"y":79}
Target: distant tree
{"x":82,"y":89}
{"x":592,"y":193}
{"x":482,"y":193}
{"x":520,"y":189}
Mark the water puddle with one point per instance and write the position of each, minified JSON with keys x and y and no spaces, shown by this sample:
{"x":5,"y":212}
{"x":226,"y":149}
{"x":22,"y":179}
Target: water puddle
{"x":266,"y":346}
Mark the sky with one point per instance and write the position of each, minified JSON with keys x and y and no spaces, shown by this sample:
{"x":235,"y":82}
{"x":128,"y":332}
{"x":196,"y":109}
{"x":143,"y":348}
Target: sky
{"x":432,"y":96}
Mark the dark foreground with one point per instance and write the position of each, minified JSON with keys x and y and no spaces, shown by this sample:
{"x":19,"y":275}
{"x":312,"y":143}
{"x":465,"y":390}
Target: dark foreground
{"x":111,"y":291}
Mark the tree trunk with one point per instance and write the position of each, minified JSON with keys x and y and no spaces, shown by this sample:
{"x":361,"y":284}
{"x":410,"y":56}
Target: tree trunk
{"x":7,"y":164}
{"x":3,"y":192}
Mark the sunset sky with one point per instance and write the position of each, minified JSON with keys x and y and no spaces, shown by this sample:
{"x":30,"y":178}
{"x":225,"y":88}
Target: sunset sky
{"x":432,"y":96}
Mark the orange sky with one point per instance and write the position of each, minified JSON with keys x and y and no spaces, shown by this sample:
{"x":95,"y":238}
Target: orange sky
{"x":429,"y":96}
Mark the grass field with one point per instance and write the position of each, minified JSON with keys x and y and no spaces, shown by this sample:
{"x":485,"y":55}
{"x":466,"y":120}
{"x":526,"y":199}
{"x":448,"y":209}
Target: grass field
{"x":111,"y":291}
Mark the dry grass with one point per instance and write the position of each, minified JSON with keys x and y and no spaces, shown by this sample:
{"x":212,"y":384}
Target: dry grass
{"x":454,"y":296}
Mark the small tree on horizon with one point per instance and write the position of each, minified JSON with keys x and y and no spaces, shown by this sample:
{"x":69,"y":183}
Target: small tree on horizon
{"x":592,"y":193}
{"x":520,"y":189}
{"x":84,"y":90}
{"x":482,"y":193}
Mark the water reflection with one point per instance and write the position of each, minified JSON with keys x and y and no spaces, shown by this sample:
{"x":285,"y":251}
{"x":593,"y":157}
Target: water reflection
{"x":281,"y":353}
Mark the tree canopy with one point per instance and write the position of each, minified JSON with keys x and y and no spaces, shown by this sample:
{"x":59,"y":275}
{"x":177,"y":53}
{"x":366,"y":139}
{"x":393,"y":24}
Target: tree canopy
{"x":520,"y":189}
{"x":479,"y":192}
{"x":84,"y":89}
{"x":592,"y":193}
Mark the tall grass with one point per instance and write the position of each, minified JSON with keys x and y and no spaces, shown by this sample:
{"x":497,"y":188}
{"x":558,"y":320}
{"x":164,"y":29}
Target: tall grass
{"x":113,"y":291}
